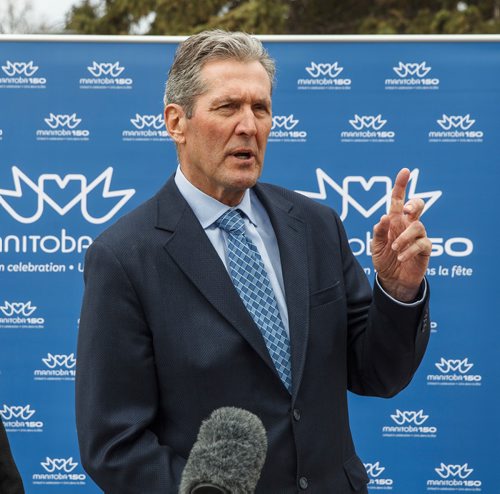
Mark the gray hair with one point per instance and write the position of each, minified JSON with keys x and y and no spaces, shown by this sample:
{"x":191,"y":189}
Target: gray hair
{"x":184,"y":83}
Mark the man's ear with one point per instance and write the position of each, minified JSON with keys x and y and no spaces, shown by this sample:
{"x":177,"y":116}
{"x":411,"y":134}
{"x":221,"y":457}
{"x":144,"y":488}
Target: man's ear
{"x":175,"y":121}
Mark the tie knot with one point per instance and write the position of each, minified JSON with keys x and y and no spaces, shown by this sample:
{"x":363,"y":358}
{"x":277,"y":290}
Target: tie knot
{"x":231,"y":221}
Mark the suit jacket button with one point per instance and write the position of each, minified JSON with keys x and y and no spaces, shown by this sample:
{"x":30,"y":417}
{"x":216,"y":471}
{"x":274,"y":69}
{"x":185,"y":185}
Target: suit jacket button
{"x":296,"y":414}
{"x":303,"y":483}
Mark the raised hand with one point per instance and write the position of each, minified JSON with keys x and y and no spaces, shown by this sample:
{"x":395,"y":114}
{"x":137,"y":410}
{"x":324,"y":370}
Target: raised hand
{"x":400,"y":247}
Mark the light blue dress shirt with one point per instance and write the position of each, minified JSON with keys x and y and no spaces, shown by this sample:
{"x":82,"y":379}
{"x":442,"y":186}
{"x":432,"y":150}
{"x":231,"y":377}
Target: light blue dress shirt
{"x":258,"y":229}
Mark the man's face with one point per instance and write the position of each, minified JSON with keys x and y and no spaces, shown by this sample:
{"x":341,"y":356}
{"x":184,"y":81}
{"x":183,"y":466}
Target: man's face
{"x":225,"y":139}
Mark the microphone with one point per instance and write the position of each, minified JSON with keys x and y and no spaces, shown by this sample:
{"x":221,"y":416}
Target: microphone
{"x":228,"y":454}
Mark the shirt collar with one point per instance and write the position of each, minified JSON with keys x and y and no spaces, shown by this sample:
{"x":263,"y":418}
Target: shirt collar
{"x":206,"y":208}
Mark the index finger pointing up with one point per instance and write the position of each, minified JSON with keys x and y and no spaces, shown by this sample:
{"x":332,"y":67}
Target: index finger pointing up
{"x":399,"y":191}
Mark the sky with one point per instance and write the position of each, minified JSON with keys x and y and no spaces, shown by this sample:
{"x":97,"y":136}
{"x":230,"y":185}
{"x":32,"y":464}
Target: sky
{"x":49,"y":12}
{"x":52,"y":11}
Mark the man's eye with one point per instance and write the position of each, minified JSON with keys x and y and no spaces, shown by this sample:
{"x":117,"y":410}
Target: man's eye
{"x":261,"y":109}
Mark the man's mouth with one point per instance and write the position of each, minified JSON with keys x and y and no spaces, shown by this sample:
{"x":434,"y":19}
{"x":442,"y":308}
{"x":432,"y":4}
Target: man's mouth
{"x":243,"y":154}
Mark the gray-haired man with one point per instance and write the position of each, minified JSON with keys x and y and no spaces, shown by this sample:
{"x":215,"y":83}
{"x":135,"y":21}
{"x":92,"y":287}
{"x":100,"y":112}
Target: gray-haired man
{"x":221,"y":291}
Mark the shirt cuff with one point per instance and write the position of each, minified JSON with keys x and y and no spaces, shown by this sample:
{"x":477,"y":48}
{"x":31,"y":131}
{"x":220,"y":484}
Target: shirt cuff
{"x":422,"y":292}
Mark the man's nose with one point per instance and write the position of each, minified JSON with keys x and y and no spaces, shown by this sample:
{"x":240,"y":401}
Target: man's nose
{"x":247,"y":124}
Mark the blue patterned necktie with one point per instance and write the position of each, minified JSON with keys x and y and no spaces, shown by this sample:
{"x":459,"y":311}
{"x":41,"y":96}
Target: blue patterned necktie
{"x":252,"y":283}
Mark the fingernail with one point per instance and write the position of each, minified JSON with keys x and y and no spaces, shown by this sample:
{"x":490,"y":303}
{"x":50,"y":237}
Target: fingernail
{"x":395,"y":246}
{"x":409,"y":208}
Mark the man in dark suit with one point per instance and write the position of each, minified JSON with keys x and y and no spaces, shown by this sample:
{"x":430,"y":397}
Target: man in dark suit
{"x":221,"y":291}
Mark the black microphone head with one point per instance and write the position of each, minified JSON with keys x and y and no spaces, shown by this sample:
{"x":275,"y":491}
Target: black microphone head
{"x":229,"y":453}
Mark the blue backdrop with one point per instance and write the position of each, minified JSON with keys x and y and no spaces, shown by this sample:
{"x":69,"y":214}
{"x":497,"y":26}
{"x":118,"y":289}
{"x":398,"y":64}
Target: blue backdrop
{"x":82,"y":141}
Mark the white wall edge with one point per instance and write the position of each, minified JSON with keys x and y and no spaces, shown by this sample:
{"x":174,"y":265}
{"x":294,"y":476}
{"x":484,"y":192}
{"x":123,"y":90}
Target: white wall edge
{"x":405,"y":38}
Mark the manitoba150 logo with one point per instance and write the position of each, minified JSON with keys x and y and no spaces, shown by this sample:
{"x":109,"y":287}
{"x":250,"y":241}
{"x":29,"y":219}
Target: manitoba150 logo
{"x":324,"y":75}
{"x":62,"y":194}
{"x":412,"y":75}
{"x":57,"y":367}
{"x":454,"y":478}
{"x":456,"y":128}
{"x":62,"y":127}
{"x":368,"y":128}
{"x":454,"y":372}
{"x":369,"y":196}
{"x":59,"y":471}
{"x":106,"y":75}
{"x":146,"y":127}
{"x":20,"y":418}
{"x":21,"y":75}
{"x":287,"y":128}
{"x":20,"y":315}
{"x":26,"y":199}
{"x":409,"y":423}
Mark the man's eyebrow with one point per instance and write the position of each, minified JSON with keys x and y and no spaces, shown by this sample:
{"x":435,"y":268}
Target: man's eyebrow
{"x":224,"y":99}
{"x":264,"y":101}
{"x":231,"y":99}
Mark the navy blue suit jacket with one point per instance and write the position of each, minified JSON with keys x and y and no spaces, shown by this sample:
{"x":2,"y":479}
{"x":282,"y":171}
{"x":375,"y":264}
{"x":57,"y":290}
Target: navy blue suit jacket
{"x":165,"y":339}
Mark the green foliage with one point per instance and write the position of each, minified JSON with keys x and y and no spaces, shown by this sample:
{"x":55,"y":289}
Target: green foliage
{"x":174,"y":17}
{"x":183,"y":17}
{"x":254,"y":16}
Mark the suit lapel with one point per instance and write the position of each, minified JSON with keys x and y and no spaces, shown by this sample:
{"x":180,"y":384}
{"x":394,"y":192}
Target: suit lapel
{"x":193,"y":252}
{"x":291,"y":235}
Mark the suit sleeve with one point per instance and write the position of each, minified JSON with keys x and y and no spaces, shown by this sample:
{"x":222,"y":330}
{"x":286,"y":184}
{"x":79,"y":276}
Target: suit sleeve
{"x":116,"y":386}
{"x":386,"y":339}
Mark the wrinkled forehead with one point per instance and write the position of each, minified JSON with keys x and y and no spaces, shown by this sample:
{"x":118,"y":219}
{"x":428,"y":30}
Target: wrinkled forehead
{"x":219,"y":74}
